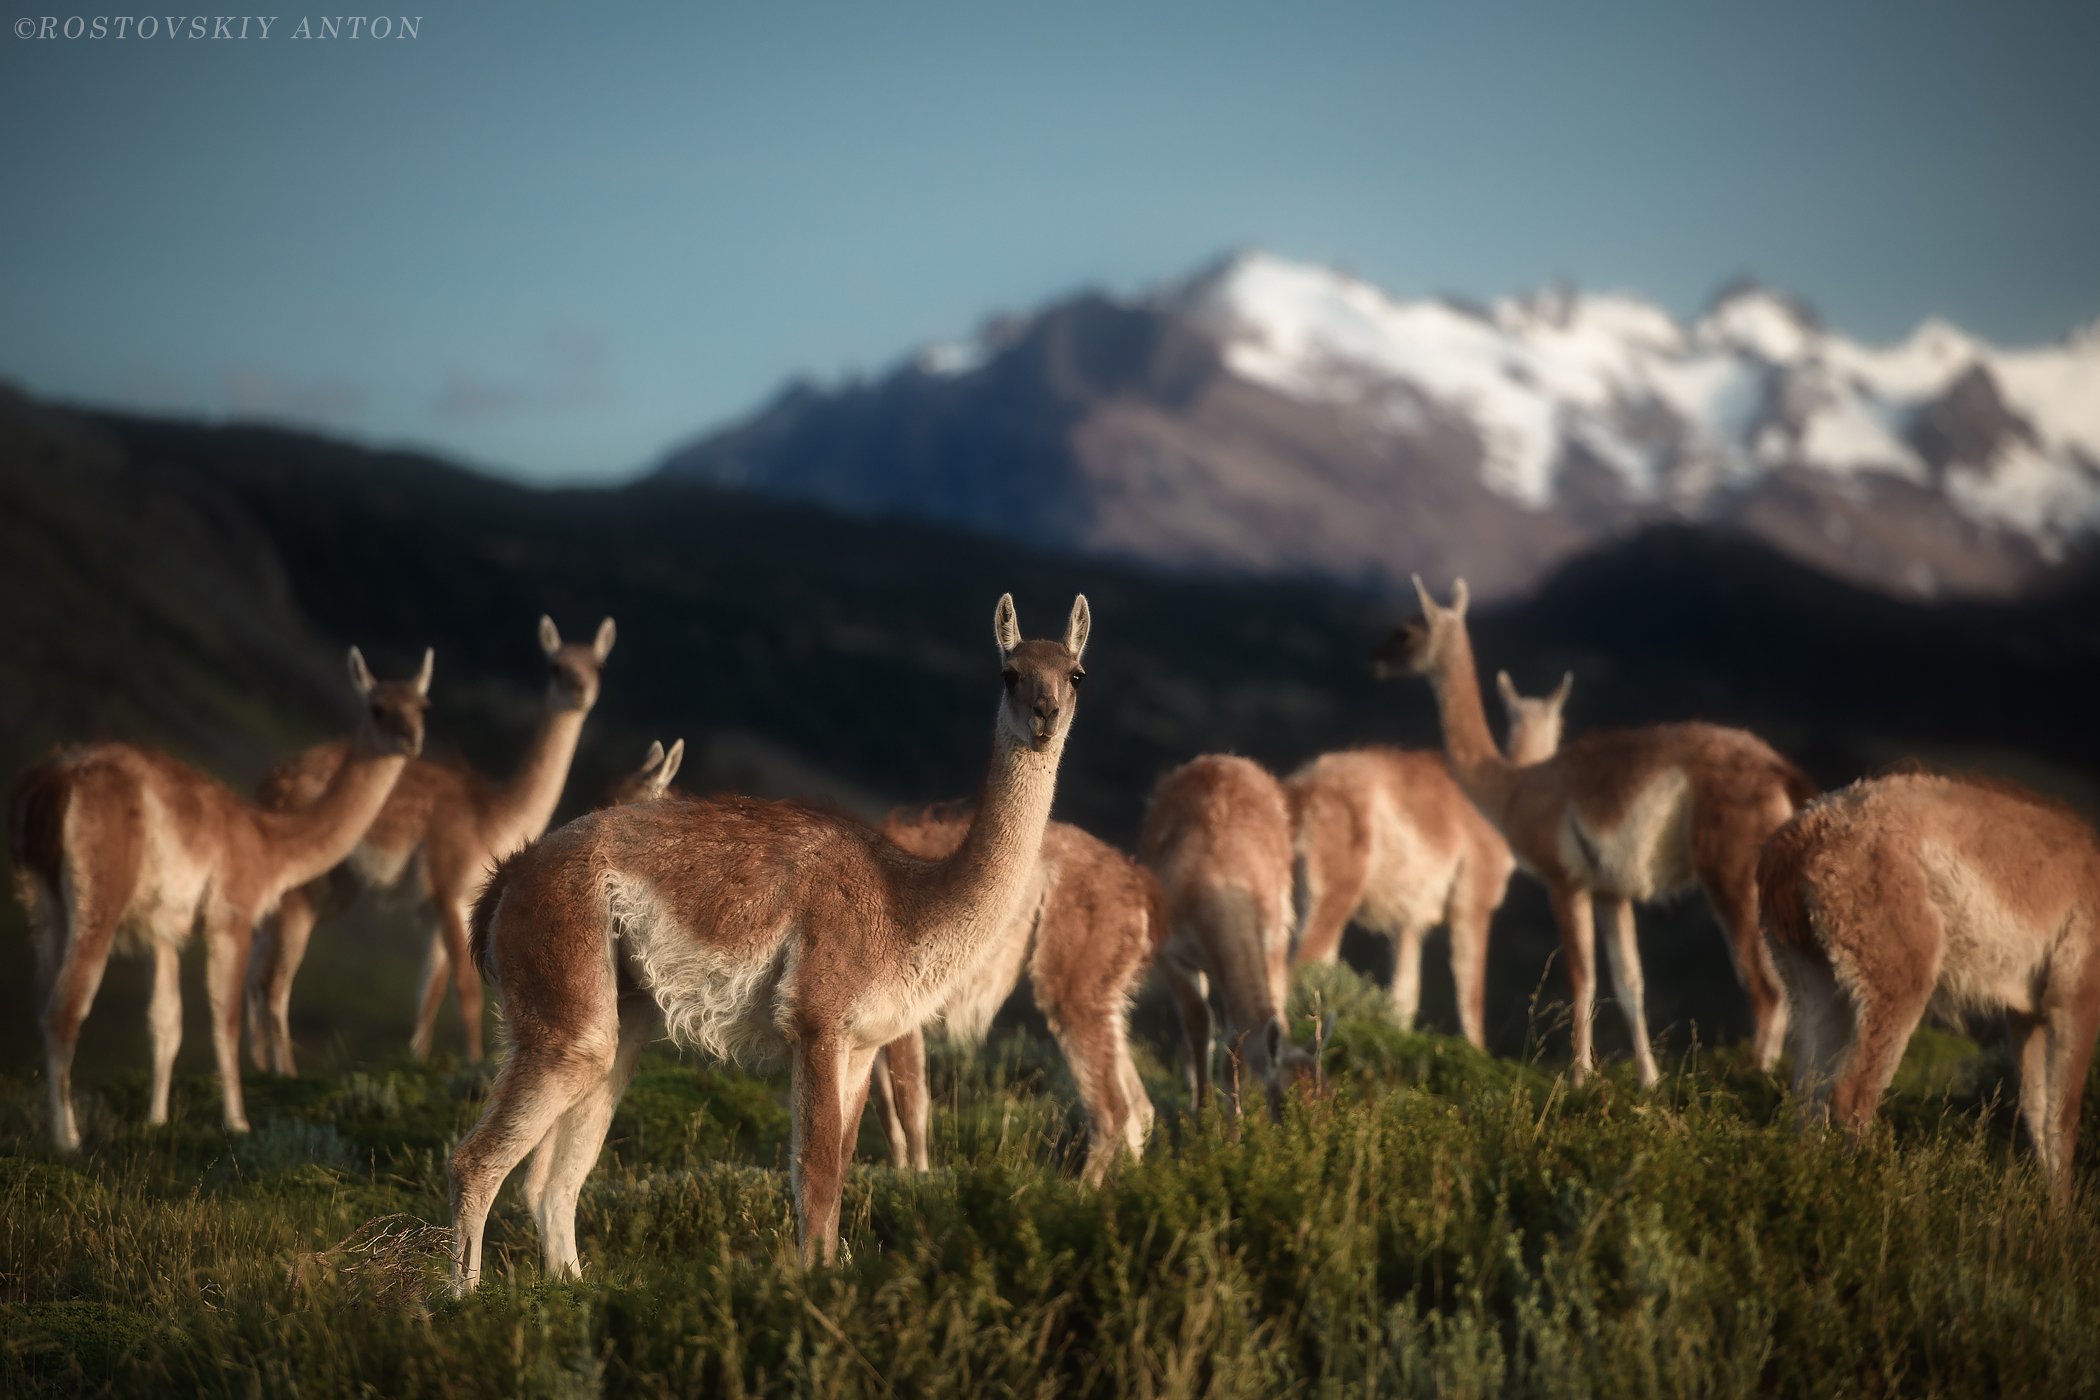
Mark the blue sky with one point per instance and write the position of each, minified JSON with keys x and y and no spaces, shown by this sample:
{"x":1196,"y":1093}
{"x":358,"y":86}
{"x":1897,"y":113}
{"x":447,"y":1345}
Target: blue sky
{"x":552,"y":240}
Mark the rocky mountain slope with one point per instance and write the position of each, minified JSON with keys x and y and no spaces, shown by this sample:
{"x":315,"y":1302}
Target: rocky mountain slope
{"x":1273,"y":417}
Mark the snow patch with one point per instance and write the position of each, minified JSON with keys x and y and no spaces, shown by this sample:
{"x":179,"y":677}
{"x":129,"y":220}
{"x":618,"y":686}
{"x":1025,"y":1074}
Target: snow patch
{"x":1670,"y":411}
{"x":948,"y":359}
{"x":1759,"y":322}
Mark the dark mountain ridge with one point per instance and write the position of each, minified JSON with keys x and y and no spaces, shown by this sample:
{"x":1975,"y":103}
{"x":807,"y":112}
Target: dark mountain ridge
{"x":799,"y":649}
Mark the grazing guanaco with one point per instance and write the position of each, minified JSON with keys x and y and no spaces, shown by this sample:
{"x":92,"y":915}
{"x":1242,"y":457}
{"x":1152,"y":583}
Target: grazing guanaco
{"x":1085,"y":943}
{"x":1617,"y":816}
{"x":434,"y":842}
{"x":1217,"y":833}
{"x":1387,"y":839}
{"x":120,"y":848}
{"x":1910,"y":893}
{"x":756,"y":929}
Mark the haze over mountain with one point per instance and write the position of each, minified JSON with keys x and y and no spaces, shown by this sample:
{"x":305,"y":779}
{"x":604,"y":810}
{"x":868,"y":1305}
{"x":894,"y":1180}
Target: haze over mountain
{"x":1277,"y":418}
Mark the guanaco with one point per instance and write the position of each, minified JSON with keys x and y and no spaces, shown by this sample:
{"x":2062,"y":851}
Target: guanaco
{"x":122,"y":848}
{"x":1914,"y":892}
{"x":434,"y":841}
{"x":757,"y":930}
{"x":1617,"y":816}
{"x":1387,"y":839}
{"x":1084,"y":943}
{"x":1217,"y":833}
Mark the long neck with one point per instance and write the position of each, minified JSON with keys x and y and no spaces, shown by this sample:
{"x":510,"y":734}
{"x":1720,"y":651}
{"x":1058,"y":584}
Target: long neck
{"x":307,"y":842}
{"x":1482,"y":771}
{"x":973,"y":894}
{"x":524,"y":805}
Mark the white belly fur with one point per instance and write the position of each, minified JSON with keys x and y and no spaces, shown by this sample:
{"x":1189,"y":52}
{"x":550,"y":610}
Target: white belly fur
{"x":711,"y":1000}
{"x":172,"y":884}
{"x":1991,"y":959}
{"x":1648,"y":853}
{"x":1409,"y":885}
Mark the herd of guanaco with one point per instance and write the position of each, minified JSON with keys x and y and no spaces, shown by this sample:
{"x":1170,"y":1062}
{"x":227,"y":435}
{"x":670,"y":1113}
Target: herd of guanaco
{"x":767,"y":931}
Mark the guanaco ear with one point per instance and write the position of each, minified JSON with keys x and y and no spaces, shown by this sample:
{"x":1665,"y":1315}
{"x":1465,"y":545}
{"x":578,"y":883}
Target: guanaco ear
{"x":360,"y":674}
{"x":1006,"y":624}
{"x":671,"y":761}
{"x":423,"y":676}
{"x":1429,"y":607}
{"x":1459,"y":597}
{"x":1507,"y":689}
{"x":550,"y":636}
{"x":1559,"y":697}
{"x":603,"y":644}
{"x":1079,"y":627}
{"x":654,"y":756}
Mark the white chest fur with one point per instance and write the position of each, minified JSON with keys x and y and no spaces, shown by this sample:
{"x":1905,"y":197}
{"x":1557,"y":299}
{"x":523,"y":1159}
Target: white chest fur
{"x":966,"y":1012}
{"x":388,"y":871}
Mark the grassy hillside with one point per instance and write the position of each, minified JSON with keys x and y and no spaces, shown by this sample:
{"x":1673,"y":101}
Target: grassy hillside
{"x":1431,"y":1222}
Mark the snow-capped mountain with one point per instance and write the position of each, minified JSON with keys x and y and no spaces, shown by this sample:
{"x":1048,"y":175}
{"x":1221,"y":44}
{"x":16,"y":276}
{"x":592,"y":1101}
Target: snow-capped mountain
{"x":1275,"y":416}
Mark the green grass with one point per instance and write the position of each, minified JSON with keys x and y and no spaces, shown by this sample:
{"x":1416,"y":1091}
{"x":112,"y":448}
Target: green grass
{"x":1432,"y":1221}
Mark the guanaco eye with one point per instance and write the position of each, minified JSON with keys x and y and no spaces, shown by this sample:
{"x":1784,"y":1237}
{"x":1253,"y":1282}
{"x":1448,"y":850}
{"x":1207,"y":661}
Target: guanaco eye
{"x":1078,"y":674}
{"x":1011,"y":677}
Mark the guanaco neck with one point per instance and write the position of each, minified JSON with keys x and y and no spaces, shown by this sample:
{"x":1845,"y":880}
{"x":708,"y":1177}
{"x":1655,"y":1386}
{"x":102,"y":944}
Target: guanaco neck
{"x":307,"y":842}
{"x":971,"y":895}
{"x":521,"y":808}
{"x":1488,"y":778}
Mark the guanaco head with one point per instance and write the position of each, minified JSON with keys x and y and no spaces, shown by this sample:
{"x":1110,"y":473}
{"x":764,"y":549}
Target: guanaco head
{"x":393,"y":710}
{"x":652,"y":779}
{"x":1534,"y":725}
{"x":572,"y":667}
{"x":1277,"y":1062}
{"x":1416,"y":648}
{"x":1042,"y":678}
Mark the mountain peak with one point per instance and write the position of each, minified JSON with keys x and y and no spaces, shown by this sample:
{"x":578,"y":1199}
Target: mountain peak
{"x":1253,"y":289}
{"x":1278,"y":415}
{"x":1746,"y":315}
